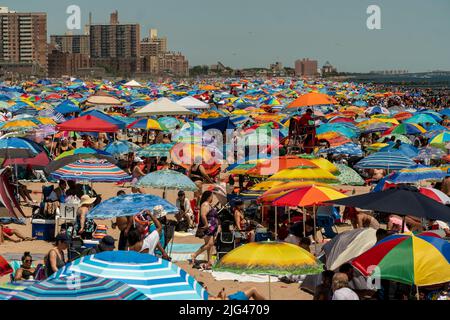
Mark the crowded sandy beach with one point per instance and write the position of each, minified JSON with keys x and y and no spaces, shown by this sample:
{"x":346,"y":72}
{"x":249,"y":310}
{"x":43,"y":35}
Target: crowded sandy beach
{"x":226,"y":189}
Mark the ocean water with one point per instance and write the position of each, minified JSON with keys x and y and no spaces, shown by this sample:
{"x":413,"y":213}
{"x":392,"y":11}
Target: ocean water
{"x":432,"y":80}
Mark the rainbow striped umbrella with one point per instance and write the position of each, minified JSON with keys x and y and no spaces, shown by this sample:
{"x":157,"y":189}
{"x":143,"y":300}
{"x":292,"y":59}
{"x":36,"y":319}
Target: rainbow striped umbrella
{"x":308,"y":196}
{"x":147,"y":124}
{"x":421,"y":260}
{"x":94,"y":170}
{"x":79,"y":287}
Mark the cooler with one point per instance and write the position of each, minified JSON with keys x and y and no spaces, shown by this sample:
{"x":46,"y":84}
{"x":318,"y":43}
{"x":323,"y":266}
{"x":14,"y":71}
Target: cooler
{"x":90,"y":243}
{"x":43,"y":229}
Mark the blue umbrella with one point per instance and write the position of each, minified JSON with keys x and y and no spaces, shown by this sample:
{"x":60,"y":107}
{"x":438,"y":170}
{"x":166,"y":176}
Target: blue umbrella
{"x":8,"y":290}
{"x":13,"y":148}
{"x":408,"y":150}
{"x":391,"y":160}
{"x":417,"y":173}
{"x":156,"y":150}
{"x":167,"y":179}
{"x":121,"y":147}
{"x":421,"y":118}
{"x":350,"y":148}
{"x":129,"y":205}
{"x":79,"y":287}
{"x":66,"y":107}
{"x":158,"y":279}
{"x":428,"y":153}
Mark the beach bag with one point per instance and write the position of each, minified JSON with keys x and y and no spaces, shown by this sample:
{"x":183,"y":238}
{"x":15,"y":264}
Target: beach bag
{"x":200,"y":233}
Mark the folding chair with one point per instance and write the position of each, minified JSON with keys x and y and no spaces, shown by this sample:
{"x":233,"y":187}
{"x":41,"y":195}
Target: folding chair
{"x":224,"y":244}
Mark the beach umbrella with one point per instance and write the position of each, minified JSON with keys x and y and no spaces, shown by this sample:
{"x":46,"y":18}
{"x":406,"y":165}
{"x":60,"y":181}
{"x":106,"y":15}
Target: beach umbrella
{"x":308,"y":196}
{"x":73,"y":155}
{"x":408,"y":150}
{"x":168,"y":123}
{"x":401,"y":200}
{"x":5,"y":268}
{"x":377,"y":110}
{"x":156,"y":150}
{"x":347,"y":245}
{"x":158,"y":279}
{"x":435,"y":194}
{"x":408,"y":128}
{"x":270,"y":167}
{"x":421,"y":118}
{"x":311,"y":99}
{"x":421,"y":260}
{"x":270,"y":258}
{"x":147,"y":124}
{"x":79,"y":287}
{"x":351,"y":149}
{"x":418,"y":173}
{"x":348,"y":176}
{"x":321,"y":163}
{"x":402,"y":138}
{"x":376,"y":127}
{"x":13,"y":148}
{"x":129,"y":205}
{"x":186,"y":154}
{"x":390,"y":160}
{"x":121,"y":147}
{"x":428,"y":153}
{"x":167,"y":179}
{"x":87,"y":123}
{"x":440,"y":140}
{"x":93,"y":170}
{"x":345,"y":129}
{"x":310,"y":174}
{"x":18,"y":125}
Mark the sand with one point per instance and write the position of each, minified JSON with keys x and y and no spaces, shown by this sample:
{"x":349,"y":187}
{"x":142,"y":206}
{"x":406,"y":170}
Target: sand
{"x":278,"y":290}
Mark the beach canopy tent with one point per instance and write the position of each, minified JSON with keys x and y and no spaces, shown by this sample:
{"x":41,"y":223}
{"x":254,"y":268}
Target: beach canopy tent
{"x":101,"y":98}
{"x":105,"y":117}
{"x":162,"y":106}
{"x":221,"y":124}
{"x":401,"y":200}
{"x":87,"y":123}
{"x":192,"y":103}
{"x":133,"y":84}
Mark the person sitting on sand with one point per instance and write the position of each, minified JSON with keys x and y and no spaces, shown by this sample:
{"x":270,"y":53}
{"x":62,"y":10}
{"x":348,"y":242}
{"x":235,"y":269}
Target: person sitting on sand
{"x":324,"y":291}
{"x":340,"y":288}
{"x":8,"y":233}
{"x":55,"y":260}
{"x":26,"y":271}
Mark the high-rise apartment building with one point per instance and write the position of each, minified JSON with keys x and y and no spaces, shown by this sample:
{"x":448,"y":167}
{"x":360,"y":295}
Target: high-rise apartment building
{"x":306,"y":68}
{"x":153,"y":45}
{"x":71,"y":43}
{"x":115,"y":46}
{"x":23,"y":41}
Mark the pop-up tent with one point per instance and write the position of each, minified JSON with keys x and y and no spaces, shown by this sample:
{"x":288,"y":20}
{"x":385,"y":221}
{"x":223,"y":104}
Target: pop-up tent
{"x":87,"y":123}
{"x":162,"y":107}
{"x":105,"y":117}
{"x":221,"y":124}
{"x":192,"y":103}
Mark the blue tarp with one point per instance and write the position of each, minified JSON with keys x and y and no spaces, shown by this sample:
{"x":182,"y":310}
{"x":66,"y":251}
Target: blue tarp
{"x":220,"y":124}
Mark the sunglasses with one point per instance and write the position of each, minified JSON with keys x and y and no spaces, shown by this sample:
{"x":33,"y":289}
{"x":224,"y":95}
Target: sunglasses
{"x":28,"y":261}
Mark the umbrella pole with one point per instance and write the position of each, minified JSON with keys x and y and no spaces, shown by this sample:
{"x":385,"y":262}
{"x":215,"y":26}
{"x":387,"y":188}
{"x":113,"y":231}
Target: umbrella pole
{"x":315,"y":231}
{"x":417,"y":292}
{"x":276,"y":223}
{"x":270,"y":296}
{"x":289,"y":214}
{"x":304,"y":222}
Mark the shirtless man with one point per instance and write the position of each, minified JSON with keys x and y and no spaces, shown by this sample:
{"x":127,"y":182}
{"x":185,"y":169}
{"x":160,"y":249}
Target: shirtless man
{"x":360,"y":220}
{"x":124,"y":224}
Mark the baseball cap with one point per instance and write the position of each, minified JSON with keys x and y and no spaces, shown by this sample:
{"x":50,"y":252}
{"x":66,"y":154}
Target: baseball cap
{"x":107,"y":242}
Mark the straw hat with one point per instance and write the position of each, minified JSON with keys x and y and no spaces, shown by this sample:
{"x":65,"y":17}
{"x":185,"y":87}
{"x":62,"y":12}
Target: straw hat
{"x":87,"y":200}
{"x":159,"y":212}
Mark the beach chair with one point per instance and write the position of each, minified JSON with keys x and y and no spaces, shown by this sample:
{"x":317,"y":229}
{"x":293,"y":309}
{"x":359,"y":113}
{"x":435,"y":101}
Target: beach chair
{"x":325,"y":224}
{"x":169,"y":235}
{"x":225,"y":243}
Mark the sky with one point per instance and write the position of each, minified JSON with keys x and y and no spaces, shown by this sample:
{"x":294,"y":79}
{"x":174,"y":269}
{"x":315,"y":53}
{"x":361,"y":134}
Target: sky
{"x":414,"y":34}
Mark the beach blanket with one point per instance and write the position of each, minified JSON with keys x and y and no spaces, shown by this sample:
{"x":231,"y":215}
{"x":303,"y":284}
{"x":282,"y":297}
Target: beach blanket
{"x":220,"y":276}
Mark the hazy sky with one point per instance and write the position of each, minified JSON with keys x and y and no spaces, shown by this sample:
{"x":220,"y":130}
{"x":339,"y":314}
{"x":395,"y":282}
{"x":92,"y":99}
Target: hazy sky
{"x":415,"y":34}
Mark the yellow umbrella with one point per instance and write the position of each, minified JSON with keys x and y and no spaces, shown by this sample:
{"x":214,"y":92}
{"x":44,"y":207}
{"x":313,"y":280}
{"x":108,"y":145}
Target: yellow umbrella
{"x":315,"y":174}
{"x":325,"y":164}
{"x":46,"y":121}
{"x":19,"y":125}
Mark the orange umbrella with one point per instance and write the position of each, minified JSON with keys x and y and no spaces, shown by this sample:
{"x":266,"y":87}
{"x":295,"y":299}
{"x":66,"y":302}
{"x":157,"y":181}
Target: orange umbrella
{"x":271,"y":167}
{"x":312,"y":99}
{"x":403,"y":115}
{"x":308,"y":196}
{"x":208,"y":88}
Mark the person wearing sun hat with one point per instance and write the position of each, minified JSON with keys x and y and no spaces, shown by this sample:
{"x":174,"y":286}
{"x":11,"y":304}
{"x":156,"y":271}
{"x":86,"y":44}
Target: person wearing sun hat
{"x":85,"y":227}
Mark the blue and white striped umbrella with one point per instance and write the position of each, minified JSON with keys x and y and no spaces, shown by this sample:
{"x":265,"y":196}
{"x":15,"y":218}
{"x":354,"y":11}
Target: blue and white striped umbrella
{"x":392,"y":160}
{"x":129,"y":205}
{"x":428,"y":153}
{"x":158,"y":279}
{"x":417,"y":173}
{"x":79,"y":287}
{"x":167,"y":179}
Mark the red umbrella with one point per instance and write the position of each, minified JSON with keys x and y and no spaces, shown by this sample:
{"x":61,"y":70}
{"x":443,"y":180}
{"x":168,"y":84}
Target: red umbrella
{"x":41,"y":160}
{"x":5,"y":268}
{"x":87,"y":123}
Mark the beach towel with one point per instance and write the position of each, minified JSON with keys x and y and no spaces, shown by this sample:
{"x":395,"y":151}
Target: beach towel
{"x":220,"y":276}
{"x":5,"y":268}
